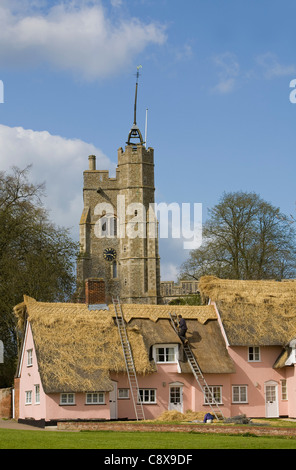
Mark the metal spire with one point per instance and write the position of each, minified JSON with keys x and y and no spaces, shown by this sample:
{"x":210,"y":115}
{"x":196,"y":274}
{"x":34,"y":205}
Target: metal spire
{"x":136,"y":94}
{"x":135,"y":131}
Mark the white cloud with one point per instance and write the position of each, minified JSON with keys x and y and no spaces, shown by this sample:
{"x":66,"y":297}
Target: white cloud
{"x":76,"y":36}
{"x":228,"y":73}
{"x":272,"y":67}
{"x":231,"y":76}
{"x":116,"y":3}
{"x":59,"y":162}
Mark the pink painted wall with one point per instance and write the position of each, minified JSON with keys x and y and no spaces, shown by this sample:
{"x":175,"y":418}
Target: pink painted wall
{"x":81,"y":410}
{"x":291,"y":386}
{"x":167,"y":374}
{"x":29,"y":378}
{"x":160,"y":381}
{"x":255,"y":375}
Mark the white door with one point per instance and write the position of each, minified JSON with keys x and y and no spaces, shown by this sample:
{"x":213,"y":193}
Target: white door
{"x":271,"y":400}
{"x":113,"y":401}
{"x":176,"y":398}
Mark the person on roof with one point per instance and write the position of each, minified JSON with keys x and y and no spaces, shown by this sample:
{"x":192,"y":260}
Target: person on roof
{"x":182,"y":329}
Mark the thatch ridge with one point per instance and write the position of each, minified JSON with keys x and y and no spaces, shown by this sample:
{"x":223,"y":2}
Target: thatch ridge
{"x":157,"y":312}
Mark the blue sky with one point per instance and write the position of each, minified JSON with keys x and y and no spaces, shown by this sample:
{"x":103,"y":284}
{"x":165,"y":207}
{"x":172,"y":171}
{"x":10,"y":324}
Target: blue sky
{"x":215,"y":76}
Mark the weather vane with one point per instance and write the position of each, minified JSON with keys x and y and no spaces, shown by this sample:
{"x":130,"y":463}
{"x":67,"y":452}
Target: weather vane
{"x":135,"y":108}
{"x":135,"y":131}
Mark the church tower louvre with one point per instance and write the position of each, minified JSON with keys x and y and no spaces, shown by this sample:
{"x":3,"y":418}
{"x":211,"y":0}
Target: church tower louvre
{"x":118,"y":230}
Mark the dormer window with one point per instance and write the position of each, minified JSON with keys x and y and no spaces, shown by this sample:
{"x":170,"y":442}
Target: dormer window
{"x":165,"y":353}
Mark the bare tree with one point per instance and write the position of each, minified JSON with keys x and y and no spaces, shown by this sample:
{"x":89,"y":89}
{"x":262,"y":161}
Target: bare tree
{"x":245,"y":237}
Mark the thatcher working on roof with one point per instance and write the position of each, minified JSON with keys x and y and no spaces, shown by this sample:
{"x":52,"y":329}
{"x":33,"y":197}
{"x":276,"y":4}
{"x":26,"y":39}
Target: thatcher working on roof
{"x":182,"y":329}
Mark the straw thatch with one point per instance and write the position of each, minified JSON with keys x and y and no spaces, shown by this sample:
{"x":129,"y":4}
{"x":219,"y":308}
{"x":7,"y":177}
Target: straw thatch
{"x":205,"y":339}
{"x":78,"y":348}
{"x":261,"y":313}
{"x":189,"y":415}
{"x":209,"y":348}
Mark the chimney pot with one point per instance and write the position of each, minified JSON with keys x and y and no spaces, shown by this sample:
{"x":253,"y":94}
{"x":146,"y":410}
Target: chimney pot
{"x":92,"y":162}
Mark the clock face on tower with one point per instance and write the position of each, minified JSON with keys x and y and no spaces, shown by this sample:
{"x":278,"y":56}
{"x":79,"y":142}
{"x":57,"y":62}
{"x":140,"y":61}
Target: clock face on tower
{"x":109,"y":254}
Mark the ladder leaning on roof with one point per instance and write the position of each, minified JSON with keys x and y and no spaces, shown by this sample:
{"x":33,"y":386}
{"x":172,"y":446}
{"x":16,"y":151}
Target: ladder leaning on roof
{"x":209,"y":396}
{"x":129,"y":361}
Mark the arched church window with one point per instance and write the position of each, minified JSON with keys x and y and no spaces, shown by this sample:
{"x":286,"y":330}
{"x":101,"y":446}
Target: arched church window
{"x":108,"y":226}
{"x":114,"y":269}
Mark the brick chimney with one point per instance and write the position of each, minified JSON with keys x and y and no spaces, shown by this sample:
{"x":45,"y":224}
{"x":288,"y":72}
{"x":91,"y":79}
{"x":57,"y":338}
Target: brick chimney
{"x":95,"y":291}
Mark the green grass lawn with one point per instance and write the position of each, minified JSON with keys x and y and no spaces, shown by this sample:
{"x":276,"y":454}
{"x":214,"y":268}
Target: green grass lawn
{"x":14,"y":439}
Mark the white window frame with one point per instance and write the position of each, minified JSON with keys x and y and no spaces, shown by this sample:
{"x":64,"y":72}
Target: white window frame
{"x":37,"y":394}
{"x":242,"y":390}
{"x":255,"y":352}
{"x":95,"y":398}
{"x":123,"y":393}
{"x":67,"y":399}
{"x":147,"y":395}
{"x":284,"y":390}
{"x":216,"y":391}
{"x":28,"y":400}
{"x":29,"y":357}
{"x":167,"y":355}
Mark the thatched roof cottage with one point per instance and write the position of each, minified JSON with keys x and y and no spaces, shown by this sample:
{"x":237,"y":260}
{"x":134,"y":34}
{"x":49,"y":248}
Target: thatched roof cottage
{"x":258,"y":321}
{"x":73,"y":354}
{"x":72,"y":364}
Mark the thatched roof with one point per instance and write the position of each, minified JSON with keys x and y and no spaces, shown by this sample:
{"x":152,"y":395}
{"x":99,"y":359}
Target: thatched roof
{"x":261,"y":313}
{"x":77,"y":348}
{"x":206,"y":341}
{"x":209,"y":348}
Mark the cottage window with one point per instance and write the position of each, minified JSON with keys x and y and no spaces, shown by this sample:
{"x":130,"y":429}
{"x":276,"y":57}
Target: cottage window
{"x":254,"y":354}
{"x":29,"y":397}
{"x":123,"y":393}
{"x":29,"y":357}
{"x":165,"y":353}
{"x":97,"y":398}
{"x":213,"y":394}
{"x":239,"y":394}
{"x":67,"y":399}
{"x":37,"y":394}
{"x":284,"y":389}
{"x":147,"y":395}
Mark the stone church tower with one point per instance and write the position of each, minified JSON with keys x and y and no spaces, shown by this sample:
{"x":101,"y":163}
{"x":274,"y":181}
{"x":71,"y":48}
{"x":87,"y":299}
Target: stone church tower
{"x":118,"y":233}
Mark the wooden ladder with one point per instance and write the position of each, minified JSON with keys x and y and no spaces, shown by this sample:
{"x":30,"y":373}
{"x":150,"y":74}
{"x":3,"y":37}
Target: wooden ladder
{"x":209,"y":396}
{"x":129,"y":361}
